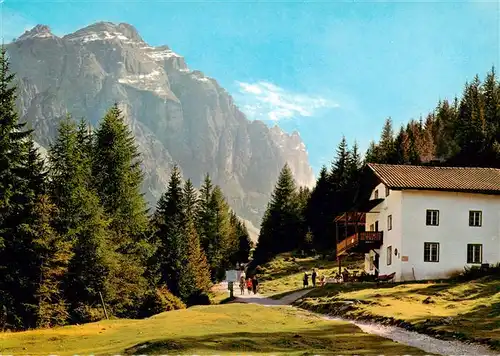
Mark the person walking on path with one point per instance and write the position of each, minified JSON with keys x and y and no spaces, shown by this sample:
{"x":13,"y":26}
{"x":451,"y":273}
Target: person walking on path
{"x":249,"y":285}
{"x":255,"y":284}
{"x":313,"y":278}
{"x":242,"y":285}
{"x":306,"y":280}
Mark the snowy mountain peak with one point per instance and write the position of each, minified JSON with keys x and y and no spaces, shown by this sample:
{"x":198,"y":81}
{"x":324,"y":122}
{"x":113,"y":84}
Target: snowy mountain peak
{"x":107,"y":31}
{"x":39,"y":31}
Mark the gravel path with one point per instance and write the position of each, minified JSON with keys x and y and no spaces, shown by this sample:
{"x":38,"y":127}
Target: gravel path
{"x":397,"y":334}
{"x":263,"y":300}
{"x":421,"y":341}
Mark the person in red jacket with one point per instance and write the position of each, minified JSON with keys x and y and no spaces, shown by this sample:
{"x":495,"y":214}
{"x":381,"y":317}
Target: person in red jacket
{"x":249,"y":285}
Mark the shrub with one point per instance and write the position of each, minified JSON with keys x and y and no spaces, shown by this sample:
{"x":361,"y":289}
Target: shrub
{"x":199,"y":298}
{"x":476,"y":272}
{"x":88,"y":314}
{"x":159,"y":301}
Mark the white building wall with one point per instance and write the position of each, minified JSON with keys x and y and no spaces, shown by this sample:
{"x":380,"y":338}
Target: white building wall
{"x":390,"y":206}
{"x":453,"y":232}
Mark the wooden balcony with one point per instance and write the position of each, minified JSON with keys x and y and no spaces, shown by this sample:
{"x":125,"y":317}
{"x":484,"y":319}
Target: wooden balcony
{"x":361,"y":242}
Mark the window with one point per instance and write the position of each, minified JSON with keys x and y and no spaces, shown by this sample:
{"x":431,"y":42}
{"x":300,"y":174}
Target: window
{"x":475,"y":218}
{"x":389,"y":222}
{"x":432,"y":218}
{"x":389,"y":255}
{"x":372,"y":227}
{"x":386,"y":191}
{"x":431,"y":252}
{"x":474,"y":253}
{"x":376,"y":194}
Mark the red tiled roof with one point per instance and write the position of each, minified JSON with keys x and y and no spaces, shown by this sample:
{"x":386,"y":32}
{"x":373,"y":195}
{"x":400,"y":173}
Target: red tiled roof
{"x":460,"y":179}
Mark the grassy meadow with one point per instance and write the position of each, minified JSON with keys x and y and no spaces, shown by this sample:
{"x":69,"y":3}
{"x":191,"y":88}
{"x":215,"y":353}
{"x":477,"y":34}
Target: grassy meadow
{"x":467,"y":310}
{"x":284,"y":273}
{"x":219,"y":329}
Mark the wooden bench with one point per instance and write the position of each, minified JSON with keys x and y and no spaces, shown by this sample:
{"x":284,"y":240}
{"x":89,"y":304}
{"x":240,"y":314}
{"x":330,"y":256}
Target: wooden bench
{"x":386,"y":277}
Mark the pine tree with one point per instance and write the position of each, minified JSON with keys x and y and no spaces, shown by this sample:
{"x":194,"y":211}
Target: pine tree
{"x":279,"y":226}
{"x":444,"y":130}
{"x":191,"y":202}
{"x":206,"y":224}
{"x":172,"y":251}
{"x":413,"y":153}
{"x":195,"y":277}
{"x":118,"y":181}
{"x":80,"y":219}
{"x":470,"y":129}
{"x":244,"y":244}
{"x":340,"y":177}
{"x":491,"y":90}
{"x":372,"y":153}
{"x":319,"y":210}
{"x":340,"y":169}
{"x":303,"y":197}
{"x":85,"y":140}
{"x":118,"y":176}
{"x":12,"y":140}
{"x":386,"y":144}
{"x":401,"y":145}
{"x":21,"y":254}
{"x":354,"y":166}
{"x":53,"y":253}
{"x":16,"y":199}
{"x":223,"y":238}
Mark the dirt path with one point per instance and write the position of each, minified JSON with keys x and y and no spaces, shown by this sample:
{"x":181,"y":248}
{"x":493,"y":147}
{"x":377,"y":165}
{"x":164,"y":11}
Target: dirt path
{"x":403,"y":336}
{"x":263,"y":300}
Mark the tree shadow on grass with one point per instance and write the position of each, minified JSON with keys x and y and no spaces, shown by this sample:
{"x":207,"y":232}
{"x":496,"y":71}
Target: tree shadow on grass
{"x":478,"y":290}
{"x":482,"y":322}
{"x":332,"y":339}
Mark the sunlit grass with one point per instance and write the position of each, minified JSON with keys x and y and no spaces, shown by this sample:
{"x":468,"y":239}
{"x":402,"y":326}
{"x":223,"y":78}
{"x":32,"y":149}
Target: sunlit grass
{"x":471,"y":309}
{"x":284,"y":273}
{"x":220,"y":329}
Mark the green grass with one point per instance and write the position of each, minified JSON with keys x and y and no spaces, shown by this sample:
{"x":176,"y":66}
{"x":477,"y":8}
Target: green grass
{"x":284,"y":273}
{"x":219,"y":329}
{"x":469,"y":310}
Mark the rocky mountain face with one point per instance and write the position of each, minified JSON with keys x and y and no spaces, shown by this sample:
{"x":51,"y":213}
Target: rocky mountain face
{"x":177,"y":115}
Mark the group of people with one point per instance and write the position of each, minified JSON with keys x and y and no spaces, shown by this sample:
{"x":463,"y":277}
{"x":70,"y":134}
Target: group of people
{"x":314,"y":275}
{"x":251,"y":284}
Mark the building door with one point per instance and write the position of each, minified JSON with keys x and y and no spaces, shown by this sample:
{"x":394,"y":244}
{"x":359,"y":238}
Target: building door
{"x":376,"y":225}
{"x":376,"y":263}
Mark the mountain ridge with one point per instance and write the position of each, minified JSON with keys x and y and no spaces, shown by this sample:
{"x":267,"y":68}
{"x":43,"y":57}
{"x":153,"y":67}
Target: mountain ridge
{"x":177,"y":115}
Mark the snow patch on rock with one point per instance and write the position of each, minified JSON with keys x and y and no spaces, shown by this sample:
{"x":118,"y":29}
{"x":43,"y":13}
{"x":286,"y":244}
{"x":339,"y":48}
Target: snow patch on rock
{"x":161,"y":55}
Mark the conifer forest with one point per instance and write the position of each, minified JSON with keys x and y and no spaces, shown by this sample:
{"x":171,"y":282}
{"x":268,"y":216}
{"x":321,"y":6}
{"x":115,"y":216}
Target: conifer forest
{"x":75,"y":231}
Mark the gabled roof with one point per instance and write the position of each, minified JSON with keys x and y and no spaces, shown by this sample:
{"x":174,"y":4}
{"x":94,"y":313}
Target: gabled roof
{"x":457,"y":179}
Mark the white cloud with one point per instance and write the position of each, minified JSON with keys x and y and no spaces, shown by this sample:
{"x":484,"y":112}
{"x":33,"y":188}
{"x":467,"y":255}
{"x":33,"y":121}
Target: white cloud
{"x":266,"y":101}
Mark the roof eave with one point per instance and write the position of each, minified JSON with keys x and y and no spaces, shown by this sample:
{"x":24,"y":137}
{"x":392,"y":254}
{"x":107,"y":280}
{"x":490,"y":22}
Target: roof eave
{"x":382,"y":180}
{"x":471,"y":191}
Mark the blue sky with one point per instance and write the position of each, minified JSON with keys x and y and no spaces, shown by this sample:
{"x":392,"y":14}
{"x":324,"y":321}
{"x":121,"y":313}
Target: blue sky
{"x":323,"y":68}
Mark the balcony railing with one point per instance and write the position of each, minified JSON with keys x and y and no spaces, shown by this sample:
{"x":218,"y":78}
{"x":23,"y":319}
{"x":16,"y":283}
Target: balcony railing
{"x":361,"y":242}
